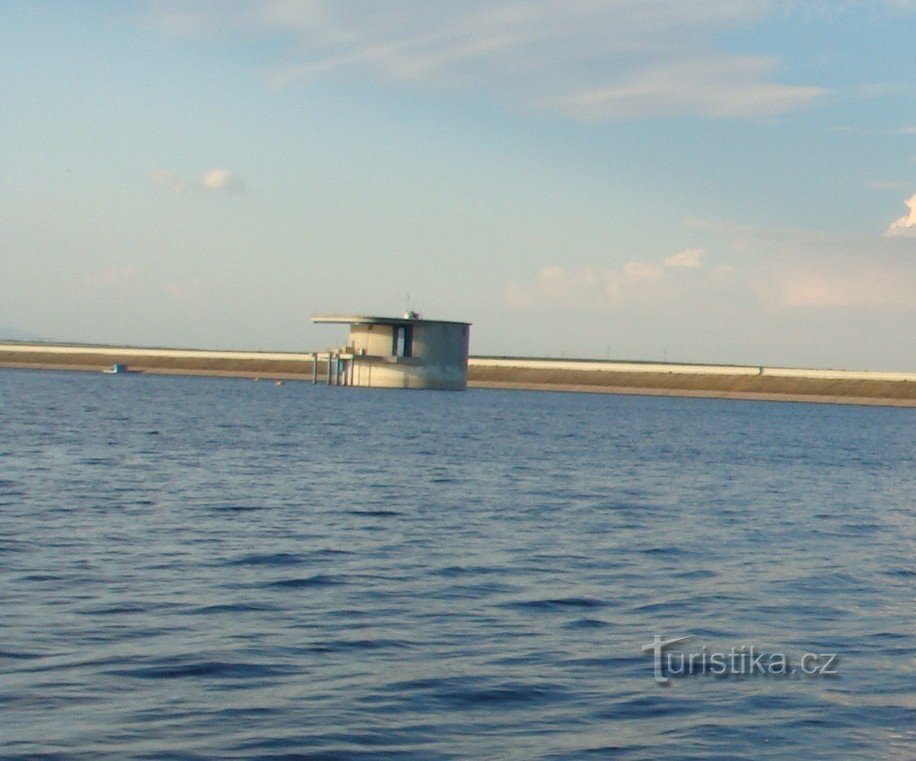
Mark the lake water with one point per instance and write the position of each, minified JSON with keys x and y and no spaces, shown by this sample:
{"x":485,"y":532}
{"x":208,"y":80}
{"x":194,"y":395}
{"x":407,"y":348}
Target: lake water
{"x":217,"y":568}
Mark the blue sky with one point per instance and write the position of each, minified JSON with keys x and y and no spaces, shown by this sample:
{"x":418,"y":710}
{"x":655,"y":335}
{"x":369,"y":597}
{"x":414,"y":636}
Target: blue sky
{"x":699,"y":180}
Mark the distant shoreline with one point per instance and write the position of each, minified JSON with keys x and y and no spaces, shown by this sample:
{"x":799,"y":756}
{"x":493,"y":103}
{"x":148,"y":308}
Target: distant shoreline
{"x":592,"y":376}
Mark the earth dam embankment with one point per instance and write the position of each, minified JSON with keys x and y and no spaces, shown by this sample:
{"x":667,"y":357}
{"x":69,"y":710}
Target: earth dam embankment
{"x":595,"y":376}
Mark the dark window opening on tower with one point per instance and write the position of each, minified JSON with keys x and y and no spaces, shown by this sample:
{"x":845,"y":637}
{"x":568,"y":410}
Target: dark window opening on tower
{"x":403,"y":341}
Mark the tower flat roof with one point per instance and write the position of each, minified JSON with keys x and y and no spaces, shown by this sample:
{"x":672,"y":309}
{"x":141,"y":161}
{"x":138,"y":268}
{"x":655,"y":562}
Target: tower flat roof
{"x":364,"y":319}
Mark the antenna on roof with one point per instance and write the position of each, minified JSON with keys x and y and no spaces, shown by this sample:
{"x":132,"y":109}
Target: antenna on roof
{"x":409,"y":314}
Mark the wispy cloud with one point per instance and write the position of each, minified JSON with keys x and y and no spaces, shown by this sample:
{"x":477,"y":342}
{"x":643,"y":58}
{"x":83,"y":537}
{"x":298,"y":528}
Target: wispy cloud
{"x":216,"y":180}
{"x":587,"y":59}
{"x":168,"y":180}
{"x":110,"y":276}
{"x":877,"y":90}
{"x":586,"y":289}
{"x":818,"y":287}
{"x":732,"y":86}
{"x":189,"y":290}
{"x":801,"y":269}
{"x":689,"y":257}
{"x":886,"y":185}
{"x":906,"y":225}
{"x":108,"y":283}
{"x":602,"y":289}
{"x":773,"y":271}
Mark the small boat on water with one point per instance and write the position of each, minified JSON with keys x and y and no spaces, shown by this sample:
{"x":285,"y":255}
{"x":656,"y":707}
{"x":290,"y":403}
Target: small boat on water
{"x":116,"y":369}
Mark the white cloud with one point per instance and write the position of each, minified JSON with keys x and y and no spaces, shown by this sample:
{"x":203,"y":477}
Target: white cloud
{"x":216,"y":180}
{"x":588,"y":59}
{"x":689,"y":257}
{"x":906,"y":225}
{"x":221,"y":179}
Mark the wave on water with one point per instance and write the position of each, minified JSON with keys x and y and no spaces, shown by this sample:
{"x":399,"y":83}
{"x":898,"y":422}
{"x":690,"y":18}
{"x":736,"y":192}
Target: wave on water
{"x":197,"y":569}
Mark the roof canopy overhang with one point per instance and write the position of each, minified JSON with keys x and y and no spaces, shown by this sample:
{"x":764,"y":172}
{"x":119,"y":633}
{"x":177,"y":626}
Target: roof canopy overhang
{"x":363,"y":319}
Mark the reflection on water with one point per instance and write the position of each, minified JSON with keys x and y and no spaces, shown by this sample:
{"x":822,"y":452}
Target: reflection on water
{"x":212,"y":568}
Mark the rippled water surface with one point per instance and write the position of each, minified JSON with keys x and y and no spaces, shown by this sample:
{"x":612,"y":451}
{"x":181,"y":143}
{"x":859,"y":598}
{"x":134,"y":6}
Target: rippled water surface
{"x":215,"y":568}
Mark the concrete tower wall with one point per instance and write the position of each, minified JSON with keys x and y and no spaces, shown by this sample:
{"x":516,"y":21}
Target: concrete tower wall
{"x":442,"y":350}
{"x":438,"y":356}
{"x":374,"y":340}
